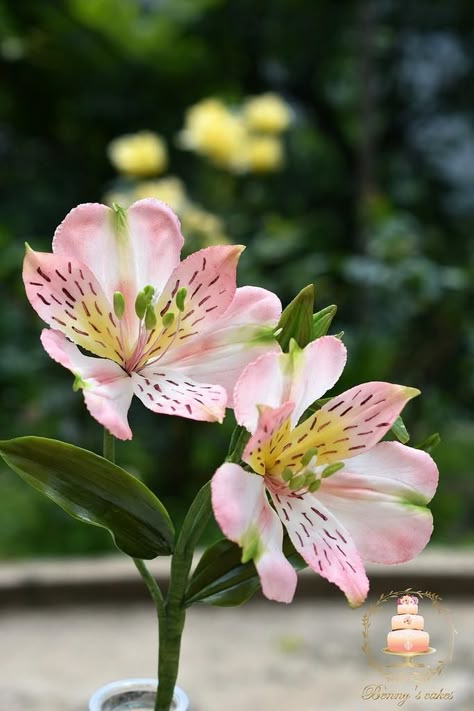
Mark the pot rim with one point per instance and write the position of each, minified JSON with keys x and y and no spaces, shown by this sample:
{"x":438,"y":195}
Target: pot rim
{"x":105,"y":691}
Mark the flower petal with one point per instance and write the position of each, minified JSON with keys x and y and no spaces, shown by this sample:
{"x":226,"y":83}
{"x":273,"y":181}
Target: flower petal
{"x":348,"y":424}
{"x":148,"y":244}
{"x":324,"y":543}
{"x":66,"y":295}
{"x":126,"y":250}
{"x":245,"y":516}
{"x":380,"y":496}
{"x":238,"y":337}
{"x":301,"y":377}
{"x":316,"y":369}
{"x":107,"y":388}
{"x":169,"y":392}
{"x":273,"y":425}
{"x":209,"y":279}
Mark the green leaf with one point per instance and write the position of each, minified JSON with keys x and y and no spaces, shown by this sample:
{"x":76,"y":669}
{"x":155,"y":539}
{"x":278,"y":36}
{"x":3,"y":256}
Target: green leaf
{"x":222,"y":579}
{"x":94,"y":490}
{"x":430,"y":443}
{"x":195,"y":522}
{"x":400,"y":431}
{"x":296,"y":320}
{"x":322,"y":320}
{"x":240,"y":437}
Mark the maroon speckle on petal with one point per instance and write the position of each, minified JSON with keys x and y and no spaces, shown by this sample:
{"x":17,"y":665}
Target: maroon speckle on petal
{"x":203,"y":301}
{"x":214,"y":280}
{"x":325,"y":518}
{"x":196,"y":291}
{"x":42,"y":274}
{"x":79,"y":287}
{"x":47,"y":303}
{"x":60,"y":275}
{"x":367,"y":399}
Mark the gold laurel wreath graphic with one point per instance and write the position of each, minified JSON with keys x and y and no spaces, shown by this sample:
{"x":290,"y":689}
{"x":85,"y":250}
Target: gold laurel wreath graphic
{"x":395,"y":675}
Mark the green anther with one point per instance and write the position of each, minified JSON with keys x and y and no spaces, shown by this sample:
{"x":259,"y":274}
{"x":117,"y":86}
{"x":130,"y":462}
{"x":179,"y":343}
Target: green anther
{"x":167,"y":319}
{"x":119,"y":304}
{"x":314,"y":486}
{"x":297,"y":482}
{"x":332,"y":469}
{"x":307,"y":456}
{"x":150,"y":318}
{"x":180,"y":297}
{"x":287,"y":474}
{"x":141,"y":303}
{"x":308,"y":479}
{"x":149,"y":292}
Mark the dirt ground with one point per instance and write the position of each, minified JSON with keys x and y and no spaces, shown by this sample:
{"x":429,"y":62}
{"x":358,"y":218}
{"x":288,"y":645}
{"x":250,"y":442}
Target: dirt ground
{"x":264,"y":656}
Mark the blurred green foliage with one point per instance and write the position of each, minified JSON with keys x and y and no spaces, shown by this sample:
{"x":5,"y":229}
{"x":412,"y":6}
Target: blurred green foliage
{"x":374,"y":206}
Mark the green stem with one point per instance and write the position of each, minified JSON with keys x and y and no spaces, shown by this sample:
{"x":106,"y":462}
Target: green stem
{"x":171,"y":626}
{"x":153,"y":587}
{"x":109,"y":446}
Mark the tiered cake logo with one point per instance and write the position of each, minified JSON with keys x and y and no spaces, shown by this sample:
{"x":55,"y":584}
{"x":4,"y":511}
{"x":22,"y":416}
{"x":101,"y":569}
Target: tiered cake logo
{"x":408,"y":649}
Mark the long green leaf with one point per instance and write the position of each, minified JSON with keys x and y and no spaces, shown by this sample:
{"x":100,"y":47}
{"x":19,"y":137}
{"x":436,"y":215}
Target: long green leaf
{"x":94,"y":490}
{"x":221,"y":578}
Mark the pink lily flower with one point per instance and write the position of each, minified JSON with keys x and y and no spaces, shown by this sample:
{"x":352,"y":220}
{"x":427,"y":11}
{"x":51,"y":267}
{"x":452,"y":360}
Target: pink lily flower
{"x":342,"y":496}
{"x":176,"y":335}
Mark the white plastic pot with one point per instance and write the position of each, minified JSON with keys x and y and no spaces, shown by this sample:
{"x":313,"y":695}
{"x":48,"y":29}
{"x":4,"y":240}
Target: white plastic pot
{"x":133,"y":695}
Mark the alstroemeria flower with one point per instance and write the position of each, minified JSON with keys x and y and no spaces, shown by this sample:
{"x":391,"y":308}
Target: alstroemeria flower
{"x":175,"y":334}
{"x":342,"y":496}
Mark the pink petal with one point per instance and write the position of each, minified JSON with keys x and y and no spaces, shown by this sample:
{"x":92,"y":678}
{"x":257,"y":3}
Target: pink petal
{"x":361,"y":416}
{"x":126,"y":252}
{"x":106,"y":387}
{"x":262,"y":383}
{"x":301,"y":377}
{"x":68,"y":297}
{"x":273,"y":425}
{"x":349,"y":424}
{"x":380,"y":496}
{"x":149,"y":245}
{"x":324,"y":543}
{"x":245,"y":517}
{"x":169,"y":392}
{"x":238,"y":337}
{"x":315,"y":371}
{"x":209,"y":279}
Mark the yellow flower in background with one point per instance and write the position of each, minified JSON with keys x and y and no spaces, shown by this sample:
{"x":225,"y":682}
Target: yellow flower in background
{"x":264,"y":154}
{"x":211,"y":129}
{"x":170,"y":190}
{"x":204,"y":224}
{"x":138,"y":154}
{"x":267,"y":113}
